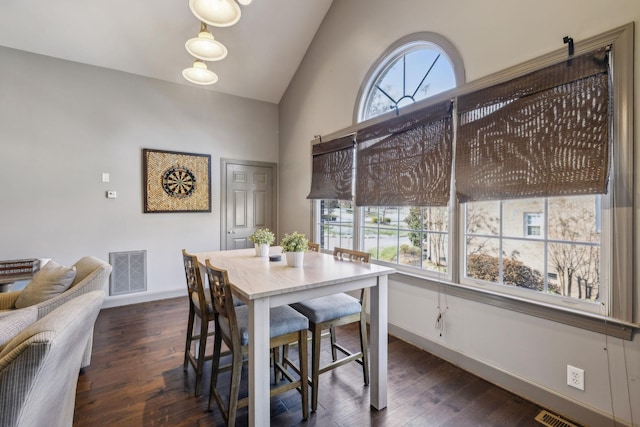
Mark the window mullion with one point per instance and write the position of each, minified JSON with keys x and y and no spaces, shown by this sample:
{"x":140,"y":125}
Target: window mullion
{"x":456,"y":220}
{"x":500,"y":245}
{"x":545,"y":224}
{"x":422,"y":236}
{"x":404,"y":76}
{"x":358,"y":235}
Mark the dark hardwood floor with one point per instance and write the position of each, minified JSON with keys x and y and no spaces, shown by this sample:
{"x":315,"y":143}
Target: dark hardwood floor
{"x":136,"y":379}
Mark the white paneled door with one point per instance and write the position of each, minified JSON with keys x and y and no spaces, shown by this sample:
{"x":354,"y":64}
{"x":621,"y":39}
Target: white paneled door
{"x":249,"y":201}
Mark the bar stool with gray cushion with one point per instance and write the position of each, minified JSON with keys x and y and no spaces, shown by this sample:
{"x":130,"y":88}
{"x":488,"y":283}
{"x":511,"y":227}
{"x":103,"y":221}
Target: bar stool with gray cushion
{"x":331,"y":311}
{"x":232,"y":327}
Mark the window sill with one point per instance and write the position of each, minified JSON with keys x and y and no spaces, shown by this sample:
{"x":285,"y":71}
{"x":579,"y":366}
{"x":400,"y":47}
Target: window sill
{"x":591,"y":322}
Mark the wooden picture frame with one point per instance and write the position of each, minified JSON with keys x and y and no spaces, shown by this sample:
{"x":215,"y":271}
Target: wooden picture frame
{"x":174,"y":181}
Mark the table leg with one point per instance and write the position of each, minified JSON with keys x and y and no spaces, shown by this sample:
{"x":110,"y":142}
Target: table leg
{"x":259,"y":412}
{"x":379,"y":344}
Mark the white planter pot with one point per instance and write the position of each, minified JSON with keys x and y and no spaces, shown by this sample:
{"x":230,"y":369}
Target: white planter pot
{"x":262,"y":250}
{"x":295,"y":259}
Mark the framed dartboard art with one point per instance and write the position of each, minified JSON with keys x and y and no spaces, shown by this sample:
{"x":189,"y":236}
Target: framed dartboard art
{"x":176,"y":182}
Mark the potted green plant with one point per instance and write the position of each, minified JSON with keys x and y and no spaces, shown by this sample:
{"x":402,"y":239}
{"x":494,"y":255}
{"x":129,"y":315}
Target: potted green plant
{"x":262,"y":238}
{"x":294,"y":246}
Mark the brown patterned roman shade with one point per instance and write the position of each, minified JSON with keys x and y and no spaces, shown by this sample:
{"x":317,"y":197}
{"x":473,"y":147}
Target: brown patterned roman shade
{"x":406,"y":161}
{"x":332,"y":174}
{"x":543,"y":134}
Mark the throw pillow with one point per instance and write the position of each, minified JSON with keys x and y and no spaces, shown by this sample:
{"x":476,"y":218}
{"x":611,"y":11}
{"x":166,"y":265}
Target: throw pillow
{"x":15,"y":322}
{"x":51,"y":280}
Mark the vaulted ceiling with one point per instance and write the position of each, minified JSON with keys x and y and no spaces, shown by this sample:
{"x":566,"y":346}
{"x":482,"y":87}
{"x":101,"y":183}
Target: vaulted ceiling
{"x":147,"y":38}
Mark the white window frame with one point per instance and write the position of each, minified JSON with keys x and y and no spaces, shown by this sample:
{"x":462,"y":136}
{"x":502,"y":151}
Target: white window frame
{"x":599,"y":308}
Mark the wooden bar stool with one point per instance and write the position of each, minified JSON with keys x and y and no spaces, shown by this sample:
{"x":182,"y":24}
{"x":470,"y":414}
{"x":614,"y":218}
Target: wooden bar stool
{"x":232,"y":327}
{"x":200,"y":307}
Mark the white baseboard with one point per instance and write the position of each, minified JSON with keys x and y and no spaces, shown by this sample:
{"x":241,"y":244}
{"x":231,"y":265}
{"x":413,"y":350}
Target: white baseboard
{"x":548,"y":399}
{"x":136,"y":298}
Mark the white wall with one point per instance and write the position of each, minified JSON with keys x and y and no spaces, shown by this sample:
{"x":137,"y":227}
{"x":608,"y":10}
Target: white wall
{"x":526,"y":354}
{"x":62,"y":124}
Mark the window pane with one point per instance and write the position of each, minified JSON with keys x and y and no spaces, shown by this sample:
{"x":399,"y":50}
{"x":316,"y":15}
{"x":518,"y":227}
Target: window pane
{"x":483,"y":218}
{"x":574,"y":219}
{"x":378,"y":104}
{"x":391,"y":81}
{"x":517,"y":215}
{"x":370,"y":215}
{"x":436,"y":218}
{"x":388,"y":249}
{"x":439,"y":79}
{"x":434,"y":252}
{"x":370,"y":241}
{"x":387,"y":217}
{"x":523,"y":264}
{"x":483,"y":260}
{"x":577,"y":270}
{"x":410,"y":253}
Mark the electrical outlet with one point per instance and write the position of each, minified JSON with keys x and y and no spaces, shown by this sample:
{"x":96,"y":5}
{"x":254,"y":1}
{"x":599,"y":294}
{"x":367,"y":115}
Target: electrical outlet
{"x":575,"y":377}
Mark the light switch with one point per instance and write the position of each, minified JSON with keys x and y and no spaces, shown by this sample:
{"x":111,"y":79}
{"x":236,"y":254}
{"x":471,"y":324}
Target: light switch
{"x":111,"y":194}
{"x":105,"y":176}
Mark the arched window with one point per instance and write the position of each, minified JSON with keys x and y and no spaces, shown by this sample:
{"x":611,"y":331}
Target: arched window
{"x":414,"y":68}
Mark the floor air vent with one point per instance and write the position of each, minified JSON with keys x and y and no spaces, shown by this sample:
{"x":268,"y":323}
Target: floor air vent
{"x":129,"y":272}
{"x":550,"y":420}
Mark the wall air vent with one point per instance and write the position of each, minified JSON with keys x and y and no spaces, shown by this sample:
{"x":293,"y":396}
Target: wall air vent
{"x":129,"y":272}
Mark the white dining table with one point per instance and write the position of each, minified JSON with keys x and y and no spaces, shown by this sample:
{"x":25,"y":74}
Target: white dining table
{"x":263,"y":284}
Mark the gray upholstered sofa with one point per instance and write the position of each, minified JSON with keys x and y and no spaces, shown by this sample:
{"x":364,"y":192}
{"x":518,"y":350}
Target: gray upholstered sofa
{"x":91,"y":274}
{"x":39,"y":367}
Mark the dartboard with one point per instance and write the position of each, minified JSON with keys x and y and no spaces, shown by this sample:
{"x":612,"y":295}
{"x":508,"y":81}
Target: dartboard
{"x":179,"y":182}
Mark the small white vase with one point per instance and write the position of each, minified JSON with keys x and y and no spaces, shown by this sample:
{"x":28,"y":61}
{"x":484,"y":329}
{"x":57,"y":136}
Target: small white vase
{"x":295,"y":259}
{"x":262,"y":249}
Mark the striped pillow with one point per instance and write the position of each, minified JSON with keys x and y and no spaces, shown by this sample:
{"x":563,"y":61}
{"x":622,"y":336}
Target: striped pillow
{"x":15,"y":322}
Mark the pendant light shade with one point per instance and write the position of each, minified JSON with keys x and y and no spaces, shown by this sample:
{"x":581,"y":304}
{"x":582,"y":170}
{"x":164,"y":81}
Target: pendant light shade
{"x":219,"y":13}
{"x":244,"y":2}
{"x":199,"y":74}
{"x":205,"y":47}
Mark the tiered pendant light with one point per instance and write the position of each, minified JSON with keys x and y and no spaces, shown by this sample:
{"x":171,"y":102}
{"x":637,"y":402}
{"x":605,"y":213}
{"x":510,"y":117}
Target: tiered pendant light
{"x":219,"y":13}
